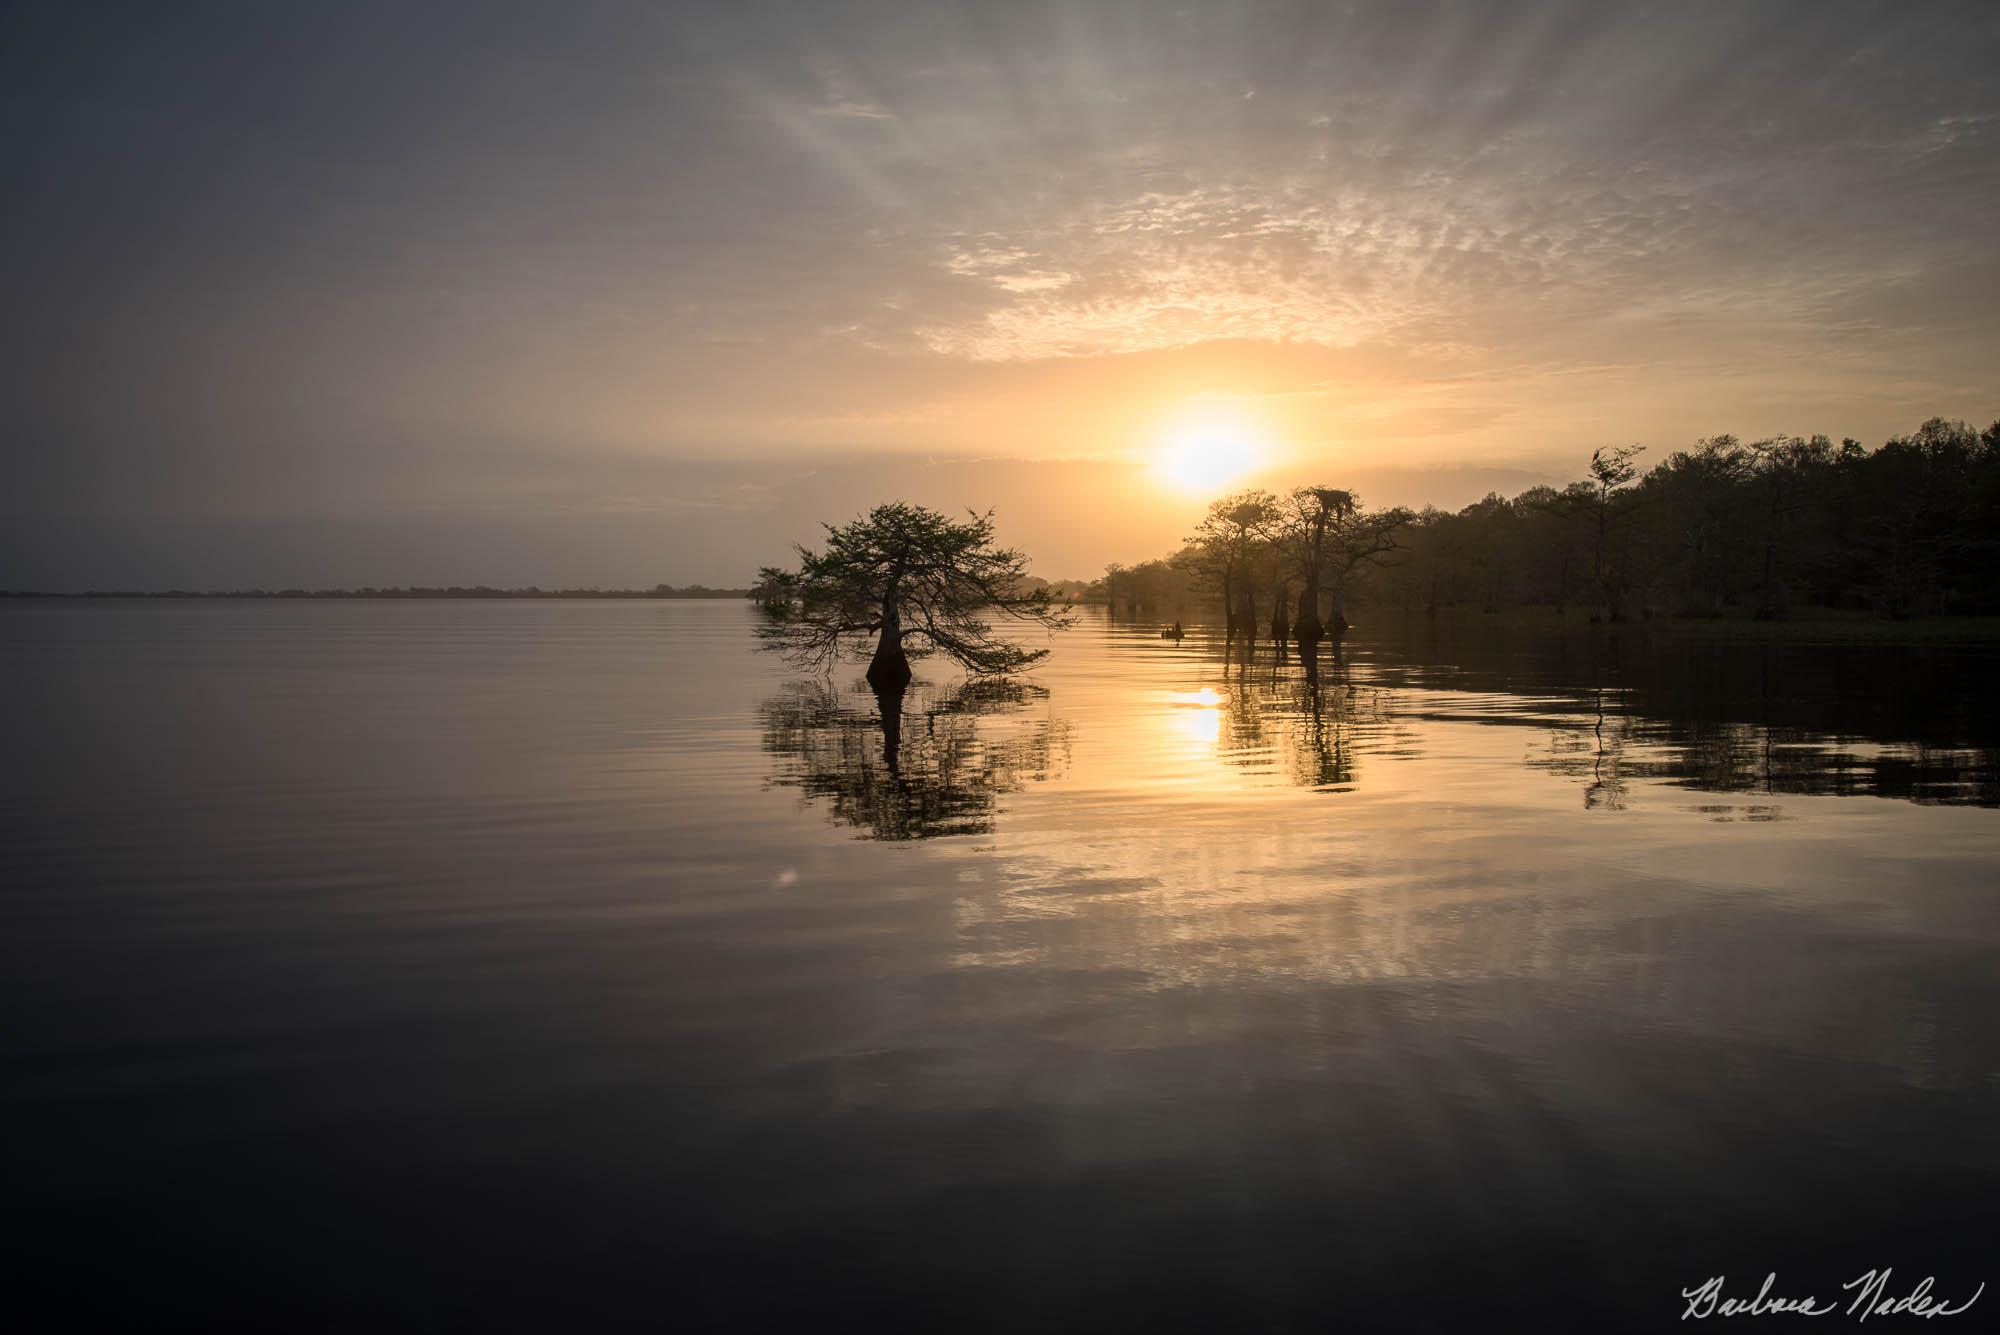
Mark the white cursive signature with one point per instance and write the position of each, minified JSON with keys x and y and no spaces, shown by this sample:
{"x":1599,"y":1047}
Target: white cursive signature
{"x":1871,"y":1298}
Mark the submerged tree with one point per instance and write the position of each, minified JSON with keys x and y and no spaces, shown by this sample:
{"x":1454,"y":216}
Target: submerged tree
{"x":1311,"y":514}
{"x":916,"y":581}
{"x":1328,"y":537}
{"x":1223,"y":552}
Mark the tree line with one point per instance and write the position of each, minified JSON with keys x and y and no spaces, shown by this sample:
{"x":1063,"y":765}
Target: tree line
{"x":1767,"y":527}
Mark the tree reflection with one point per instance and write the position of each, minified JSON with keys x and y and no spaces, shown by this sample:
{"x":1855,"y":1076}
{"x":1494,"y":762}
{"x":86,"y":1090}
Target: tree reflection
{"x":1317,"y":721}
{"x":1594,"y":753}
{"x":913,"y":764}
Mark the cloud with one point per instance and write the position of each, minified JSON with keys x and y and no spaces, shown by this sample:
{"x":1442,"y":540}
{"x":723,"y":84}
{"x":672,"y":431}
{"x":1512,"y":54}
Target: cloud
{"x":277,"y":266}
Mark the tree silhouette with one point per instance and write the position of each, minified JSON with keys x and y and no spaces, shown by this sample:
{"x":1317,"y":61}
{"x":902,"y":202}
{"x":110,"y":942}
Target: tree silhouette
{"x":915,"y":580}
{"x":1328,"y":536}
{"x":1224,"y":550}
{"x":1764,"y":527}
{"x":1610,"y":471}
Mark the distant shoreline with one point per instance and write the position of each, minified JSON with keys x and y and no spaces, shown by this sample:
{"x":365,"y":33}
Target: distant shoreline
{"x":662,"y":591}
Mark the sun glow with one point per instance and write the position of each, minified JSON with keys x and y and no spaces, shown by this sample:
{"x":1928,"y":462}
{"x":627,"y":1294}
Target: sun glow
{"x":1204,"y":456}
{"x":1199,"y":719}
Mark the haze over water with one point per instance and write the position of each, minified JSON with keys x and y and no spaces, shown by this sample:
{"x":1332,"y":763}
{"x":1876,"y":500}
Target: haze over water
{"x":533,"y":962}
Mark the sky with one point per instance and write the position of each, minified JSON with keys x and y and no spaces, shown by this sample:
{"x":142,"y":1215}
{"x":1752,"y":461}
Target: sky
{"x":619,"y":294}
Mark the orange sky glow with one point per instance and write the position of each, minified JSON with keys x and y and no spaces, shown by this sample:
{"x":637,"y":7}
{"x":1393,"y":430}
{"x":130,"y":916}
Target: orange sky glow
{"x":647,"y":297}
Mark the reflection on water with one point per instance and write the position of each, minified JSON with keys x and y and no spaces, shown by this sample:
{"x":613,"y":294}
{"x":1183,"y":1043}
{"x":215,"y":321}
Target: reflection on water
{"x":1908,"y":722}
{"x":935,"y":763}
{"x":909,"y":764}
{"x":1317,"y":720}
{"x":1720,"y":717}
{"x":566,"y":965}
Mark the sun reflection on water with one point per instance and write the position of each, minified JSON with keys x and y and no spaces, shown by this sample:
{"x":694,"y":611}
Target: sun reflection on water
{"x":1197,"y":717}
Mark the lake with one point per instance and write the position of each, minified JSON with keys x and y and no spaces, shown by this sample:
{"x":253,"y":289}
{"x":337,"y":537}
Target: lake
{"x":570,"y":963}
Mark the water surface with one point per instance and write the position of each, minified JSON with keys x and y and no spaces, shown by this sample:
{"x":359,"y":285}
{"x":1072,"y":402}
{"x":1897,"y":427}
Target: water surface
{"x":532,"y":963}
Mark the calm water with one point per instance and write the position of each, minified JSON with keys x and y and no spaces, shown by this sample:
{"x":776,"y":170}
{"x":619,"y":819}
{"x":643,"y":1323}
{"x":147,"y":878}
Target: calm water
{"x":535,"y":965}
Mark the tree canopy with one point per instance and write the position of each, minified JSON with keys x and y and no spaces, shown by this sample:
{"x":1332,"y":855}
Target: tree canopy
{"x":919,"y":582}
{"x":1224,"y":550}
{"x":1326,"y":534}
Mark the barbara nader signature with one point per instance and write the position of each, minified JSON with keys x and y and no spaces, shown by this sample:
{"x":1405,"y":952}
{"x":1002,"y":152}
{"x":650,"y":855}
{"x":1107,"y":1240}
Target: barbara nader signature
{"x":1871,"y":1297}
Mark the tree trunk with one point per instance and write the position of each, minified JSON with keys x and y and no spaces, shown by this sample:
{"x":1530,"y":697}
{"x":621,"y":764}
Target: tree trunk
{"x":1602,"y":594}
{"x":1306,"y":627}
{"x":889,"y":670}
{"x":1772,"y":600}
{"x":1281,"y":629}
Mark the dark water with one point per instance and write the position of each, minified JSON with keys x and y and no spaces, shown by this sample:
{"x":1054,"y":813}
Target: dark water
{"x":565,"y":965}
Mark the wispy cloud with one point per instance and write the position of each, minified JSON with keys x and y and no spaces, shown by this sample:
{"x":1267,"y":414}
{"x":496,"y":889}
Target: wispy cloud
{"x":279,"y":266}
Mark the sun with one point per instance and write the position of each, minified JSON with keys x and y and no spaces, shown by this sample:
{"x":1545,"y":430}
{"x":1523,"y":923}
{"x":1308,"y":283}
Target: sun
{"x":1204,"y":457}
